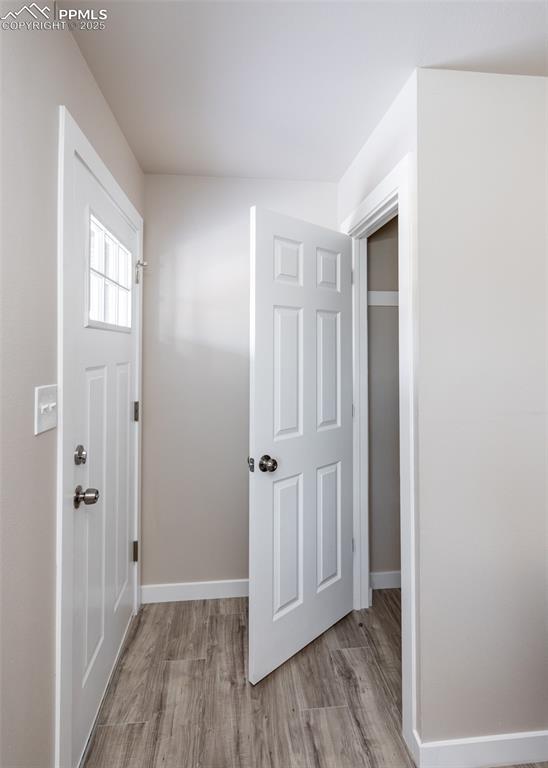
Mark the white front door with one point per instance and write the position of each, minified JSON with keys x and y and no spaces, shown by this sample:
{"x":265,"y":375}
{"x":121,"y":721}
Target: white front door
{"x":99,"y":379}
{"x":300,"y":513}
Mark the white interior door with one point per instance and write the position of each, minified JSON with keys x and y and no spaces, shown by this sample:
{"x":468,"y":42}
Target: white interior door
{"x":301,"y":417}
{"x":99,"y":376}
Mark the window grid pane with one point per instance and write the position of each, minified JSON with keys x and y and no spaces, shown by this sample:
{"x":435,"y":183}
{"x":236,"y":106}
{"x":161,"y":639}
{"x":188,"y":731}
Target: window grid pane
{"x":111,"y":303}
{"x":124,"y":267}
{"x":124,"y":308}
{"x":111,"y":258}
{"x":110,"y":266}
{"x":96,"y":296}
{"x":96,"y":248}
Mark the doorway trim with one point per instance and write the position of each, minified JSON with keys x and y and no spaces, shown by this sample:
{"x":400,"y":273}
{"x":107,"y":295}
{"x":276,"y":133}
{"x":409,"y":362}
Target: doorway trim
{"x":394,"y":195}
{"x":72,"y":141}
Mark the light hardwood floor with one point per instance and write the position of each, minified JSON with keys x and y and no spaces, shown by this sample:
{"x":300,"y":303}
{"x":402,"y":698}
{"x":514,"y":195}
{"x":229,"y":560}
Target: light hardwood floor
{"x":179,"y":696}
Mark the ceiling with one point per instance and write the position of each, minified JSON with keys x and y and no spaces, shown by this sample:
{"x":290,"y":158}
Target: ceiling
{"x":287,"y":89}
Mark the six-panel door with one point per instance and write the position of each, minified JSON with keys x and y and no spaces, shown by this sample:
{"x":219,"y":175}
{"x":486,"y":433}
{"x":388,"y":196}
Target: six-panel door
{"x":301,"y":415}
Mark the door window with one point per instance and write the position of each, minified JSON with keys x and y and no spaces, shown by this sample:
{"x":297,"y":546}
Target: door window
{"x":109,"y":296}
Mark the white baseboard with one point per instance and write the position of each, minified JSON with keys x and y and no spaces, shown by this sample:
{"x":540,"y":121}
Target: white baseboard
{"x":484,"y":751}
{"x":193,"y":590}
{"x":385,"y":579}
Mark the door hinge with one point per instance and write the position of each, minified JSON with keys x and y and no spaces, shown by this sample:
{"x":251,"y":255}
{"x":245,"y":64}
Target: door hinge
{"x":353,"y":545}
{"x":136,"y":410}
{"x":251,"y":464}
{"x":353,"y":410}
{"x":352,"y":277}
{"x":135,"y":551}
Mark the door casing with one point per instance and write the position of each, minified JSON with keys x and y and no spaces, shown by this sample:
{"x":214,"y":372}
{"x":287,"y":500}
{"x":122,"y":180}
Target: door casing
{"x":72,"y":141}
{"x":395,"y":195}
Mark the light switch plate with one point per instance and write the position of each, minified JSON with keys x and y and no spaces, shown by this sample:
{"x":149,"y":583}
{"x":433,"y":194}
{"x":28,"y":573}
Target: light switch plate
{"x":45,"y":408}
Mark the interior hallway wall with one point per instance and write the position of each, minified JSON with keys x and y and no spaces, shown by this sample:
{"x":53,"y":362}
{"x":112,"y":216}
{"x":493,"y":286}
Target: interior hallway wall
{"x":482,"y":217}
{"x":196,"y":367}
{"x":40,"y":70}
{"x":480,"y":155}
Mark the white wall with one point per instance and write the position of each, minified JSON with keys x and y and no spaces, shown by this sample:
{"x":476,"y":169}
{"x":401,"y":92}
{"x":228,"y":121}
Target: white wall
{"x":39,"y":71}
{"x":393,"y":138}
{"x":482,"y":212}
{"x":196,"y":367}
{"x":481,"y":158}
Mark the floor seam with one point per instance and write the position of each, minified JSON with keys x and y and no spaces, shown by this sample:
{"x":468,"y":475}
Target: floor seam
{"x":189,"y":658}
{"x":350,"y":648}
{"x":129,"y":722}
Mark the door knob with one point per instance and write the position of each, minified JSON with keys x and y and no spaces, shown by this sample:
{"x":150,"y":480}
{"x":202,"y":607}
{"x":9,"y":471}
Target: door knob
{"x":89,"y":496}
{"x":266,"y":464}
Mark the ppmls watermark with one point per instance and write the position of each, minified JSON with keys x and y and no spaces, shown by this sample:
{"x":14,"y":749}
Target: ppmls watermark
{"x":38,"y":17}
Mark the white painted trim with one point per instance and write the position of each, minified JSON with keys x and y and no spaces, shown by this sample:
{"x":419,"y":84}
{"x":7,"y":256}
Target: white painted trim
{"x":194,"y":590}
{"x":385,"y":579}
{"x":362,"y":594}
{"x":396,"y":194}
{"x":383,"y":298}
{"x":484,"y":751}
{"x":72,"y":141}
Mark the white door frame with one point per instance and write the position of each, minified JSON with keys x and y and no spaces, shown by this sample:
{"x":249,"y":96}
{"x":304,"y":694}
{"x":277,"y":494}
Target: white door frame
{"x":72,"y":142}
{"x":395,"y":195}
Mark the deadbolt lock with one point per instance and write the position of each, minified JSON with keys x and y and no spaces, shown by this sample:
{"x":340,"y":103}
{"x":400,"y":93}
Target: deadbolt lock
{"x":80,"y":455}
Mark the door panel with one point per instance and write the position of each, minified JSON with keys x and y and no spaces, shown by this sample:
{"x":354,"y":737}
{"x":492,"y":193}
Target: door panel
{"x":93,"y":525}
{"x":288,"y":363}
{"x":329,"y":524}
{"x":288,"y":261}
{"x":123,"y":493}
{"x":288,"y":544}
{"x":301,"y":414}
{"x":329,"y":269}
{"x":328,"y":383}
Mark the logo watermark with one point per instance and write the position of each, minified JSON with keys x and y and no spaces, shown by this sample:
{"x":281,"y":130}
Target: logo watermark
{"x":37,"y":17}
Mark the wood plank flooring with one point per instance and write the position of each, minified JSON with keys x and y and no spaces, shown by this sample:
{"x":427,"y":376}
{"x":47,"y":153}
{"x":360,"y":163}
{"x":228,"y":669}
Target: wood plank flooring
{"x":179,"y":696}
